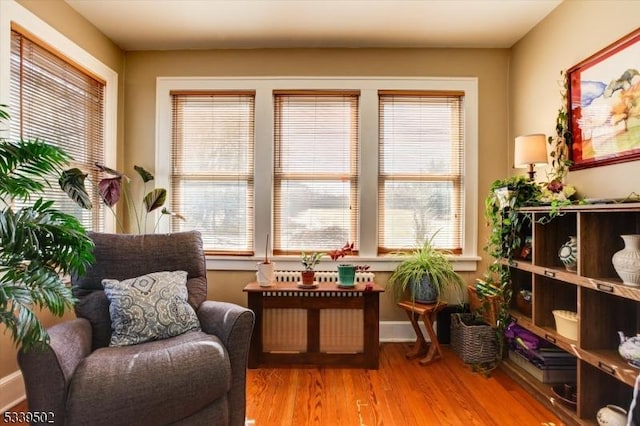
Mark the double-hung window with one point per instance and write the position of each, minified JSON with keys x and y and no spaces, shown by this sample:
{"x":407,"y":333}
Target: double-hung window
{"x":421,"y":169}
{"x":212,"y":168}
{"x":316,"y":188}
{"x":54,"y":100}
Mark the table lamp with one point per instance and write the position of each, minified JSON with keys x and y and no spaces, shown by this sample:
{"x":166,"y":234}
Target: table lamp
{"x":530,"y":150}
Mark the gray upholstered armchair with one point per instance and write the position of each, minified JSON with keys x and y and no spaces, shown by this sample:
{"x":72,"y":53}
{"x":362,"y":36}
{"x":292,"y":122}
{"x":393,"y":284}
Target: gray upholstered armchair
{"x":197,"y":377}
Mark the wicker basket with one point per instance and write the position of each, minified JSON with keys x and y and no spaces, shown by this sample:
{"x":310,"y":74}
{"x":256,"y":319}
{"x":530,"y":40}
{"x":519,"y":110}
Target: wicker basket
{"x":474,"y":343}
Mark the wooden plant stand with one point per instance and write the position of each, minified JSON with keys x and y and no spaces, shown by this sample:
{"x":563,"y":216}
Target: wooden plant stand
{"x":428,"y":313}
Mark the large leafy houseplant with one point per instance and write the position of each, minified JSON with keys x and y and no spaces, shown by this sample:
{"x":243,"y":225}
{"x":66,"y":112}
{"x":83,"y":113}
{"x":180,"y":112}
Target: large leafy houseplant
{"x":39,"y":244}
{"x":116,"y":185}
{"x":425,"y":262}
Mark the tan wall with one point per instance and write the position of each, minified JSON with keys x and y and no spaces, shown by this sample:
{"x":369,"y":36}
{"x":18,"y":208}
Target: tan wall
{"x":571,"y":33}
{"x":68,"y":22}
{"x":490,"y":66}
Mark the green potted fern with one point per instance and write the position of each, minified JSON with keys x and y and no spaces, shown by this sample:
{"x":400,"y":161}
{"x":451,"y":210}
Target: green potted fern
{"x":39,"y":244}
{"x":426,"y":274}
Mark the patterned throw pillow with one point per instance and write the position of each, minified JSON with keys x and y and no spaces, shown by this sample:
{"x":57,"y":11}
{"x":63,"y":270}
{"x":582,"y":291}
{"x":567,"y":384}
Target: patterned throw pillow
{"x":149,"y":307}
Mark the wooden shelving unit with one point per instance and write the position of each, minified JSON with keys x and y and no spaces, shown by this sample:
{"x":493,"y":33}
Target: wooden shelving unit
{"x":604,"y":305}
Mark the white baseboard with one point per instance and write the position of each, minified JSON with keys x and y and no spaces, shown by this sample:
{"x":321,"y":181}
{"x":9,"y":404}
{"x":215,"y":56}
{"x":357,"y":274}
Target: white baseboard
{"x":400,"y":331}
{"x":11,"y":390}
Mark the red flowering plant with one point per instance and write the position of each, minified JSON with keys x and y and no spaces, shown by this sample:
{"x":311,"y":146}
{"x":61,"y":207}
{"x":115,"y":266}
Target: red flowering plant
{"x":345,"y":250}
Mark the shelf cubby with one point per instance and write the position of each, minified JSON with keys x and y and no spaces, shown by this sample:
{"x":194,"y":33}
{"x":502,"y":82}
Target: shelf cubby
{"x":549,"y":237}
{"x":550,"y":294}
{"x":602,"y":316}
{"x":600,"y":239}
{"x":598,"y":389}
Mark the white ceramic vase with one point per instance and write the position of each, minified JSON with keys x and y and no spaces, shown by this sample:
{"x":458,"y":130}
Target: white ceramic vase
{"x":266,"y":274}
{"x":626,"y":262}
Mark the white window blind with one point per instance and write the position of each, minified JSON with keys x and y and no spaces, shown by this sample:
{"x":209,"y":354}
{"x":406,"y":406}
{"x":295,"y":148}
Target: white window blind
{"x":316,"y":191}
{"x":53,"y":100}
{"x":421,"y":164}
{"x":212,"y":162}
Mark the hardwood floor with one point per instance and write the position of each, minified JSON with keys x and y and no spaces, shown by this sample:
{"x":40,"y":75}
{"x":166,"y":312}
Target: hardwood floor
{"x":401,"y":393}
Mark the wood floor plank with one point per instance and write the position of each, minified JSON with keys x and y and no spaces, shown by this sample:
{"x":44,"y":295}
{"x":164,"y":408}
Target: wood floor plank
{"x":402,"y":393}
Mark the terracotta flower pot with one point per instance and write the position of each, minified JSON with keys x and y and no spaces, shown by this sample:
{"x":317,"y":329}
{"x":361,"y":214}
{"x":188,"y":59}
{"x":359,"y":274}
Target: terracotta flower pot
{"x":307,"y":277}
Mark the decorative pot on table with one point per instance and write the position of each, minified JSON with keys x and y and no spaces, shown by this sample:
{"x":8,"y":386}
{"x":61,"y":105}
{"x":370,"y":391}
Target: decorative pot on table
{"x":346,"y":275}
{"x":612,"y":415}
{"x":626,"y":262}
{"x":424,"y":291}
{"x":266,"y":274}
{"x":308,"y":277}
{"x":568,"y":254}
{"x":629,"y":349}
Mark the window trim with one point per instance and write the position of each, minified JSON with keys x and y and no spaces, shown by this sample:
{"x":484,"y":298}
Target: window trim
{"x":12,"y":13}
{"x":368,"y":87}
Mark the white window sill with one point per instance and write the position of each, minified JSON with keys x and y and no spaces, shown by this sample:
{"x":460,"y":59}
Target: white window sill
{"x":292,"y":263}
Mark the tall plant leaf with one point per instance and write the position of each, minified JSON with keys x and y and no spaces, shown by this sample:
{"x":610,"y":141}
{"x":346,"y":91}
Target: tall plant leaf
{"x":25,"y":165}
{"x":174,"y":214}
{"x":108,"y":170}
{"x":155,"y":199}
{"x":4,"y":115}
{"x":110,"y":189}
{"x":72,"y":183}
{"x":144,"y":174}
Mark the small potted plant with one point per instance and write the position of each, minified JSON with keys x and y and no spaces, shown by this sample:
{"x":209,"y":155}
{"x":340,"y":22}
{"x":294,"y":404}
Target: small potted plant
{"x":266,"y":268}
{"x":309,"y":261}
{"x":426,"y":274}
{"x":346,"y":271}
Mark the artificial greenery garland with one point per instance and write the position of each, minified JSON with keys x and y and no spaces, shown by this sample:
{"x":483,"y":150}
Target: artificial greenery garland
{"x":560,"y":143}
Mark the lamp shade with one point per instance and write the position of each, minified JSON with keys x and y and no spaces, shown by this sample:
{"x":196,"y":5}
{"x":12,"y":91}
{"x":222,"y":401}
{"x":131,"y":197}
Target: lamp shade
{"x":530,"y":149}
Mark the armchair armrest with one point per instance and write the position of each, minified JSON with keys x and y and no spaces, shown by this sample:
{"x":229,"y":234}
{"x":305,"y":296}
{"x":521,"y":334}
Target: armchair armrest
{"x":47,"y":373}
{"x":233,"y":324}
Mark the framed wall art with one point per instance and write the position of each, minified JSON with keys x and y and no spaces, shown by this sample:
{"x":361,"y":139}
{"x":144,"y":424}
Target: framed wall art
{"x":604,"y":105}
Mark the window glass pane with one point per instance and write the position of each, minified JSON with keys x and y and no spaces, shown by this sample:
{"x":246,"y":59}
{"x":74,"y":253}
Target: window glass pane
{"x":421,"y":163}
{"x":316,"y":171}
{"x":414,"y":131}
{"x":218,"y":210}
{"x":216,"y":129}
{"x":53,"y":100}
{"x":414,"y":211}
{"x":212,"y":168}
{"x":314,"y":215}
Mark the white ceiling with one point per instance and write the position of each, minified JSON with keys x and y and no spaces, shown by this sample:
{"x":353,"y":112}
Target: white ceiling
{"x":226,"y":24}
